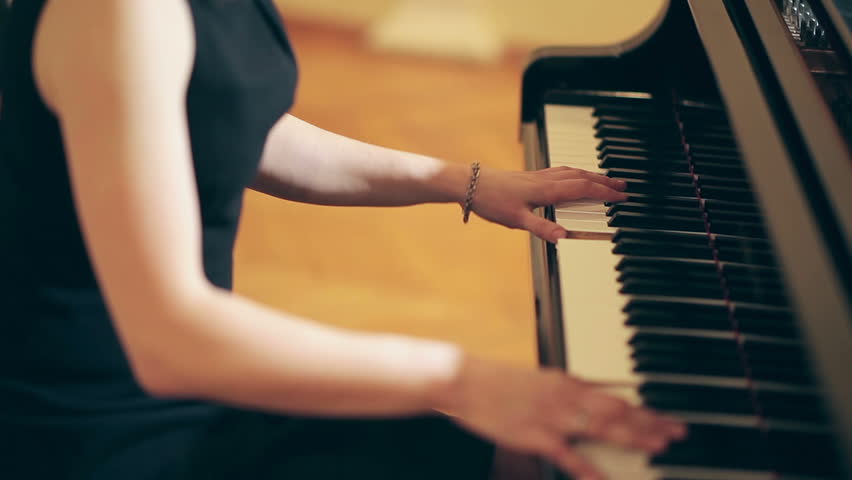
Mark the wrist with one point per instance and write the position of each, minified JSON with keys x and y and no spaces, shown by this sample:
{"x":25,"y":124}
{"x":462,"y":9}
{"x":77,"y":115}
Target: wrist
{"x":452,"y":395}
{"x":451,"y":182}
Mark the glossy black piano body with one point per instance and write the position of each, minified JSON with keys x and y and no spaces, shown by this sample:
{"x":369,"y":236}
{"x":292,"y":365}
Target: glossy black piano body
{"x":739,"y":111}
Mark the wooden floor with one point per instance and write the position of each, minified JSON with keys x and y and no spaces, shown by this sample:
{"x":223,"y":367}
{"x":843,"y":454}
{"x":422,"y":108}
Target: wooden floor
{"x":415,"y":270}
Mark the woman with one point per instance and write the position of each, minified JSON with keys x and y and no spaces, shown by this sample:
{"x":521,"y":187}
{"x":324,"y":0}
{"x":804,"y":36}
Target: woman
{"x":129,"y":132}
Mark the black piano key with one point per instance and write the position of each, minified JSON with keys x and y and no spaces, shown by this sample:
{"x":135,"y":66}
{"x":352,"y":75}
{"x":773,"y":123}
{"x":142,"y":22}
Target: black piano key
{"x":644,"y":121}
{"x":719,"y":321}
{"x":709,"y":186}
{"x":671,"y":267}
{"x":744,"y":312}
{"x":721,"y":137}
{"x":652,"y":153}
{"x":773,"y":405}
{"x":747,"y":255}
{"x":699,"y":125}
{"x":728,"y":157}
{"x":725,"y":170}
{"x":660,"y":175}
{"x":643,"y":163}
{"x":716,"y":364}
{"x":764,"y":289}
{"x":803,"y":452}
{"x":692,"y":239}
{"x":679,"y":248}
{"x":673,"y":287}
{"x":699,"y":355}
{"x":645,"y":133}
{"x":709,"y":150}
{"x":722,"y":242}
{"x":714,"y":204}
{"x":670,"y":147}
{"x":708,"y":277}
{"x":717,"y":446}
{"x":769,"y":279}
{"x":637,"y":108}
{"x":731,"y":270}
{"x":757,"y":348}
{"x":673,"y":153}
{"x":763,"y":296}
{"x":638,"y":220}
{"x":743,"y":272}
{"x":668,"y":264}
{"x":730,"y":194}
{"x":735,"y":221}
{"x":654,"y":209}
{"x":735,"y":216}
{"x":689,"y":201}
{"x":646,"y":248}
{"x":750,"y":448}
{"x":683,"y":188}
{"x":705,"y":181}
{"x":737,"y":228}
{"x":699,"y":285}
{"x":698,"y":110}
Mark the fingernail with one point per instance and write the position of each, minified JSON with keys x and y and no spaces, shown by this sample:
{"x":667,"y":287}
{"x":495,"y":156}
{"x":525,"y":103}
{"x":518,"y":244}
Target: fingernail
{"x":620,"y":185}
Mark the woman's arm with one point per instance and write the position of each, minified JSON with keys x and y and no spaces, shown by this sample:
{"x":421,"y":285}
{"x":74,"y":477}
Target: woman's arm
{"x":116,"y":73}
{"x":305,"y":163}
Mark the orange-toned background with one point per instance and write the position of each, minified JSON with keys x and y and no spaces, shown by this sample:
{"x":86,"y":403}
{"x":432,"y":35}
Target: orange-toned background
{"x":415,"y":270}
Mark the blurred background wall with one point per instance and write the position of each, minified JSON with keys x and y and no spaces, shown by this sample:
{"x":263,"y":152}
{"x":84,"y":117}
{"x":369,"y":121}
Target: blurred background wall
{"x":517,"y":22}
{"x":415,"y":270}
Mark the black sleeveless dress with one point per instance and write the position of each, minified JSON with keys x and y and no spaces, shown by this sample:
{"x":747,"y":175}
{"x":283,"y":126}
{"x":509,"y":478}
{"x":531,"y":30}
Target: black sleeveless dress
{"x":69,"y":405}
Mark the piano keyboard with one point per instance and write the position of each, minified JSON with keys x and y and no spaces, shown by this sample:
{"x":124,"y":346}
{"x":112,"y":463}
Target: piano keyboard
{"x":684,"y":309}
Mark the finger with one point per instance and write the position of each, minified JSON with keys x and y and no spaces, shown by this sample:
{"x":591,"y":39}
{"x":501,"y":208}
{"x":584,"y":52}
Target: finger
{"x":676,"y":428}
{"x":568,"y":173}
{"x":629,"y":436}
{"x":542,"y":228}
{"x":569,"y":460}
{"x":603,"y":411}
{"x":631,"y":427}
{"x":613,"y":183}
{"x":552,"y":447}
{"x":653,"y":423}
{"x":585,"y":188}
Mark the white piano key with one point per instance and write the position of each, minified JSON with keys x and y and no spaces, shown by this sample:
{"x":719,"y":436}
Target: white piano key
{"x":596,"y":338}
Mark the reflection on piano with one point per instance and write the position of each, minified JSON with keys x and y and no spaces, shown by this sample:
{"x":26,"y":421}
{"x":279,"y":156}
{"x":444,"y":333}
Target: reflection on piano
{"x":721,"y":291}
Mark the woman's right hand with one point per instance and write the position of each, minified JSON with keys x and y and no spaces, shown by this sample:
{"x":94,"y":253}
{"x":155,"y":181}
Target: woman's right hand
{"x":538,"y":411}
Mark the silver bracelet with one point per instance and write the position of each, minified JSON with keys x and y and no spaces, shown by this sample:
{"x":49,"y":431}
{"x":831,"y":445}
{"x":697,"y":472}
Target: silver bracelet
{"x":471,"y":189}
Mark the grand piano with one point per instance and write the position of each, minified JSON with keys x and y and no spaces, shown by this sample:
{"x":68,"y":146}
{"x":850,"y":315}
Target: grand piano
{"x":721,"y":291}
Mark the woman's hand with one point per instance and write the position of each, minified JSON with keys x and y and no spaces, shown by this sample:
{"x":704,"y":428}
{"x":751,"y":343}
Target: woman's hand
{"x":508,"y":198}
{"x":537,"y":411}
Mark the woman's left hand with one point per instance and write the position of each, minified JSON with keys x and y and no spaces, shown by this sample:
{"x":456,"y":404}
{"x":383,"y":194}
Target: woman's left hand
{"x":508,"y":198}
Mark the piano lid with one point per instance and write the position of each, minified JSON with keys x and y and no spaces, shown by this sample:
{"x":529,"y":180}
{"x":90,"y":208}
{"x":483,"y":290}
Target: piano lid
{"x":590,"y":68}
